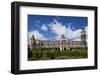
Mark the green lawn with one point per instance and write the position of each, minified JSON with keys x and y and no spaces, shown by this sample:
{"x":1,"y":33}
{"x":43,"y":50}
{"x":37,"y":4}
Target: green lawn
{"x":49,"y":54}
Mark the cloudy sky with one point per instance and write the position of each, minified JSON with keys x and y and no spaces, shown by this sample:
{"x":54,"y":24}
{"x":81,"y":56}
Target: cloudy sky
{"x":52,"y":27}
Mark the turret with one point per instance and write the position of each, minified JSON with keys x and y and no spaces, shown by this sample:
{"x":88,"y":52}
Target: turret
{"x":83,"y":38}
{"x":83,"y":35}
{"x":33,"y":41}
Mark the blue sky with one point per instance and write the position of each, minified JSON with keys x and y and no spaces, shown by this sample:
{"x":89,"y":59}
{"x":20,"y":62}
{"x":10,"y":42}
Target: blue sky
{"x":52,"y":27}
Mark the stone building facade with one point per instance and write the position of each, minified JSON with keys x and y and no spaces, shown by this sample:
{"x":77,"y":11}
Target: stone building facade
{"x":61,"y":44}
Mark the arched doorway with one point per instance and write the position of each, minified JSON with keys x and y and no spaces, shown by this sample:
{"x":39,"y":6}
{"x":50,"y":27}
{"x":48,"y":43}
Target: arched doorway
{"x":65,"y":49}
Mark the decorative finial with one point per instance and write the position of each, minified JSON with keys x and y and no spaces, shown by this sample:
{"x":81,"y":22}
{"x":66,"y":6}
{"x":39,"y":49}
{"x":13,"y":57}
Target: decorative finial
{"x":82,"y":29}
{"x":63,"y":37}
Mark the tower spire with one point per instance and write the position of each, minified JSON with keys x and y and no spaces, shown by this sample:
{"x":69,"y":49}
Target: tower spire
{"x":63,"y":37}
{"x":33,"y":40}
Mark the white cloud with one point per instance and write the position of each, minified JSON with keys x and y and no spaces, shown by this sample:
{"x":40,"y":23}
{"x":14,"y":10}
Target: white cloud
{"x":73,"y":35}
{"x":60,"y":29}
{"x":36,"y":34}
{"x":36,"y":21}
{"x":44,"y":27}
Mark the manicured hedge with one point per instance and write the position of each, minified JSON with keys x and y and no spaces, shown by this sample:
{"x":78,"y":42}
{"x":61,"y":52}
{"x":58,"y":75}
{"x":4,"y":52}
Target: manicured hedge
{"x":37,"y":54}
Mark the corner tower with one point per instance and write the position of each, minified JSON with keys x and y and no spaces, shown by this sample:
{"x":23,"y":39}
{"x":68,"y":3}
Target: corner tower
{"x":83,"y":35}
{"x":33,"y":41}
{"x":83,"y":38}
